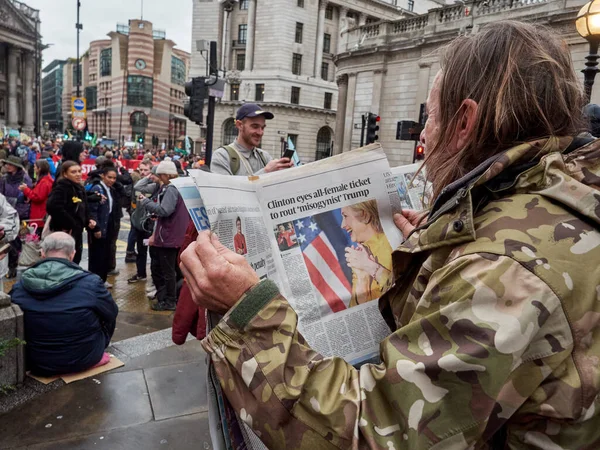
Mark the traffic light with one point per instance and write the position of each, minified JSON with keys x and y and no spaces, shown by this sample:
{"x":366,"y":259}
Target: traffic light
{"x":197,"y":91}
{"x":372,"y":127}
{"x":66,"y":135}
{"x":141,"y":138}
{"x":419,"y":153}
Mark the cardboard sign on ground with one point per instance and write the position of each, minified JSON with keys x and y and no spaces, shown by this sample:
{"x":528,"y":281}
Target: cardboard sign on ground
{"x":114,"y":363}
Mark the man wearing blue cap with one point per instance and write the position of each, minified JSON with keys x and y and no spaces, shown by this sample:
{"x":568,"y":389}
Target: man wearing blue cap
{"x":243,"y":157}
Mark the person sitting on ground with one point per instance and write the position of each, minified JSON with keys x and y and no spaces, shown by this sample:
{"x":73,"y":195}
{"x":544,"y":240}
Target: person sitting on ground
{"x":69,"y":315}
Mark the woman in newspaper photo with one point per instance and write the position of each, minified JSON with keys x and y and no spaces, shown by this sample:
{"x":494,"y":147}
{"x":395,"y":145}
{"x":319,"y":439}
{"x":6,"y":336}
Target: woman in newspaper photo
{"x":371,"y":258}
{"x":239,"y":240}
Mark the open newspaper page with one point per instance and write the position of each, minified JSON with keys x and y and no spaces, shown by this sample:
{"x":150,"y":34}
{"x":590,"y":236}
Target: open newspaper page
{"x":324,"y":234}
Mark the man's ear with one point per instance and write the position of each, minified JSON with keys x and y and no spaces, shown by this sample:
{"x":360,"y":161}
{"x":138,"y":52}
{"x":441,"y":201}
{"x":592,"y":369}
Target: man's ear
{"x":467,"y":118}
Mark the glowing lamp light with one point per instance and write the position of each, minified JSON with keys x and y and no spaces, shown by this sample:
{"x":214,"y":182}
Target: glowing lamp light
{"x":588,"y":26}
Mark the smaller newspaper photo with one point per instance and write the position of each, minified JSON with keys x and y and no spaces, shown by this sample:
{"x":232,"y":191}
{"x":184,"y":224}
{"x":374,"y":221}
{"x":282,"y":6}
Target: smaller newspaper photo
{"x":323,"y":232}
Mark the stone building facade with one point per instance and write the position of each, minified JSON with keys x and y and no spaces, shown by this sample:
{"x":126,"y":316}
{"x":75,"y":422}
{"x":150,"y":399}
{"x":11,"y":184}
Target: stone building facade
{"x":133,"y":83}
{"x":388,"y":68}
{"x":19,"y":66}
{"x":279,"y":53}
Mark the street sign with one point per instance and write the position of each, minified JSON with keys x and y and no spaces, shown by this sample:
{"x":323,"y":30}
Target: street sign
{"x":78,"y":123}
{"x":78,"y":107}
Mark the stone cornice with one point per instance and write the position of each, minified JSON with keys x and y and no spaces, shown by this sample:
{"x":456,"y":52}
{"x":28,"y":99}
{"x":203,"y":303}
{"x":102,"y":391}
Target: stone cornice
{"x":237,"y":104}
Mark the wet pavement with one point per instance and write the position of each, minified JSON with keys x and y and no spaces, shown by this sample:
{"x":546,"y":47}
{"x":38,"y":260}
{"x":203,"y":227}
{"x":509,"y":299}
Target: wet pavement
{"x":156,"y":401}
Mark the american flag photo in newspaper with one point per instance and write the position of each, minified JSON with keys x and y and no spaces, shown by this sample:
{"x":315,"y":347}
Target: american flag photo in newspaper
{"x":323,"y":243}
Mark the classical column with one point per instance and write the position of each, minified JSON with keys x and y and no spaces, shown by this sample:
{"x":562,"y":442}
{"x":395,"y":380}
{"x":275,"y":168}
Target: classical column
{"x":28,"y":92}
{"x":226,"y":39}
{"x":320,"y":36}
{"x":340,"y":118}
{"x":250,"y":36}
{"x":13,"y":109}
{"x":377,"y":89}
{"x":349,"y":121}
{"x":423,"y":86}
{"x":342,"y":26}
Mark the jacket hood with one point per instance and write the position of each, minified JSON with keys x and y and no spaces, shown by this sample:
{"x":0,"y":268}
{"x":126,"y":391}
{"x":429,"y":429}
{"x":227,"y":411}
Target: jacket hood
{"x":50,"y":276}
{"x":565,"y":170}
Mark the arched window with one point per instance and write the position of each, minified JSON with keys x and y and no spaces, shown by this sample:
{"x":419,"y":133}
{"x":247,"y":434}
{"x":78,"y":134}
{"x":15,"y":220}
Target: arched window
{"x":230,"y":132}
{"x":324,"y":137}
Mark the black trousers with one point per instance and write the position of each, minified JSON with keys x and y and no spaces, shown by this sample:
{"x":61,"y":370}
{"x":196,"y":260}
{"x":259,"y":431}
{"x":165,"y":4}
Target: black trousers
{"x":141,"y":259}
{"x":14,"y":252}
{"x":78,"y":236}
{"x":114,"y":236}
{"x":99,"y":256}
{"x":165,"y":273}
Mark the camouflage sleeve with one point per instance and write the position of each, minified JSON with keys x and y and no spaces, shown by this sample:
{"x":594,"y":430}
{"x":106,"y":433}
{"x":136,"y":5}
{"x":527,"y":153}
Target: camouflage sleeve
{"x":485,"y":335}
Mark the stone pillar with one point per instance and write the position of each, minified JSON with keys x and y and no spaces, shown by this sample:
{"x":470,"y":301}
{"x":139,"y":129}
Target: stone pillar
{"x":342,"y":26}
{"x":349,"y":121}
{"x":13,"y":108}
{"x":250,"y":38}
{"x":28,"y":87}
{"x":422,"y":86}
{"x":320,"y":35}
{"x":226,"y":39}
{"x":362,"y":19}
{"x":340,"y":118}
{"x":377,"y":89}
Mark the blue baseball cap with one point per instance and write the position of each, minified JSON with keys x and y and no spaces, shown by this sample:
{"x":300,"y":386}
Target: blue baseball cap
{"x":252,"y":110}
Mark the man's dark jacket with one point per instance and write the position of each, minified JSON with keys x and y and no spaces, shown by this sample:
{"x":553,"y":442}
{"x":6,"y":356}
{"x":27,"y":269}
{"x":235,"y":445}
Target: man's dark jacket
{"x":69,"y":317}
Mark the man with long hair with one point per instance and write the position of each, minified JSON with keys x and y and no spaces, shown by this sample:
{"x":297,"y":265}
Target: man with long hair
{"x":494,"y":312}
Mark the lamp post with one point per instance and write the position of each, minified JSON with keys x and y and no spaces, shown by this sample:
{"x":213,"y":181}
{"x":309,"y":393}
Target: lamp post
{"x":588,"y":26}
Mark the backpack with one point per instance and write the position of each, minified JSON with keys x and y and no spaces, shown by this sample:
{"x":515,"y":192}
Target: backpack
{"x":234,"y":159}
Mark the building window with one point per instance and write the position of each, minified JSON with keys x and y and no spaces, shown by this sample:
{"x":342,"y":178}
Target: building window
{"x":140,"y":91}
{"x":297,"y":64}
{"x":243,"y":4}
{"x":230,"y":132}
{"x":325,"y":71}
{"x":76,"y":79}
{"x":240,"y":63}
{"x":235,"y":91}
{"x":328,"y":99}
{"x":323,"y":143}
{"x":329,"y":12}
{"x":177,"y":71}
{"x":326,"y":43}
{"x":300,"y":3}
{"x":295,"y":95}
{"x":260,"y":93}
{"x":2,"y":104}
{"x":91,"y":97}
{"x":299,"y":28}
{"x":411,"y":5}
{"x":106,"y":62}
{"x":92,"y":77}
{"x":242,"y":33}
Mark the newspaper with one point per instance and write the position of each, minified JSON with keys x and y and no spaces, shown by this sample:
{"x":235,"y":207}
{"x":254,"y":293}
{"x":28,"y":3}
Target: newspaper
{"x":323,"y":232}
{"x":413,"y":190}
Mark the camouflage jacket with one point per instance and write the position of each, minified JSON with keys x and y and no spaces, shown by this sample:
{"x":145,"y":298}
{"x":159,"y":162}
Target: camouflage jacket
{"x":495,"y":315}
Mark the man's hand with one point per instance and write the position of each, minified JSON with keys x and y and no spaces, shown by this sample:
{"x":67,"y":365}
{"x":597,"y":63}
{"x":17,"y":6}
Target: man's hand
{"x":216,"y":276}
{"x":408,"y":220}
{"x":278,"y":164}
{"x":22,"y":187}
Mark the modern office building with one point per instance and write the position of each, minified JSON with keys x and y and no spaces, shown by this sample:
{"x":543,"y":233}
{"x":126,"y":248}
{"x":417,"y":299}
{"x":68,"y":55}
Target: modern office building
{"x":52,"y":91}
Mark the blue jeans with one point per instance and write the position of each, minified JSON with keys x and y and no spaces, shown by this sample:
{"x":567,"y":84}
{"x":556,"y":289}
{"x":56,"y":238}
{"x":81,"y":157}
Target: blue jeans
{"x":131,"y":239}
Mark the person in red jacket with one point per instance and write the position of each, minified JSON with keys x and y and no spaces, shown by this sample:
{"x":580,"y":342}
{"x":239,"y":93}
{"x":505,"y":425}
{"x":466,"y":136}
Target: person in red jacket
{"x":38,"y":196}
{"x":189,"y":318}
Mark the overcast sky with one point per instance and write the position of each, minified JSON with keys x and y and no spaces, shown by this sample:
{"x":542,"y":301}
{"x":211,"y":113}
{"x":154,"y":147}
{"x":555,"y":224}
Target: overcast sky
{"x":99,"y":17}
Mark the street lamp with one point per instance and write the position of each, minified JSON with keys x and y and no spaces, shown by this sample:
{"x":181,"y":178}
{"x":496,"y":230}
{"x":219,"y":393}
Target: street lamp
{"x":588,"y":26}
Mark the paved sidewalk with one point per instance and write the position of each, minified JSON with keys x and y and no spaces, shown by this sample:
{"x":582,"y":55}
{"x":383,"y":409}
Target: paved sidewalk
{"x":156,"y":401}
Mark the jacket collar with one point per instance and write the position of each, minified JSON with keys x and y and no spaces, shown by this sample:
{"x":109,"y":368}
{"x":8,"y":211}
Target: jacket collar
{"x":450,"y":221}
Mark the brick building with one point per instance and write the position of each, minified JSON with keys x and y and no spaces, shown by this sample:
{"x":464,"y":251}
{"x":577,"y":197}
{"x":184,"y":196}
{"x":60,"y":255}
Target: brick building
{"x":134,"y":85}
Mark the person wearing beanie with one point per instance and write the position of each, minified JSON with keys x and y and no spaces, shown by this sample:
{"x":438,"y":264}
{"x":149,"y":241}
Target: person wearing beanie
{"x":168,"y":236}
